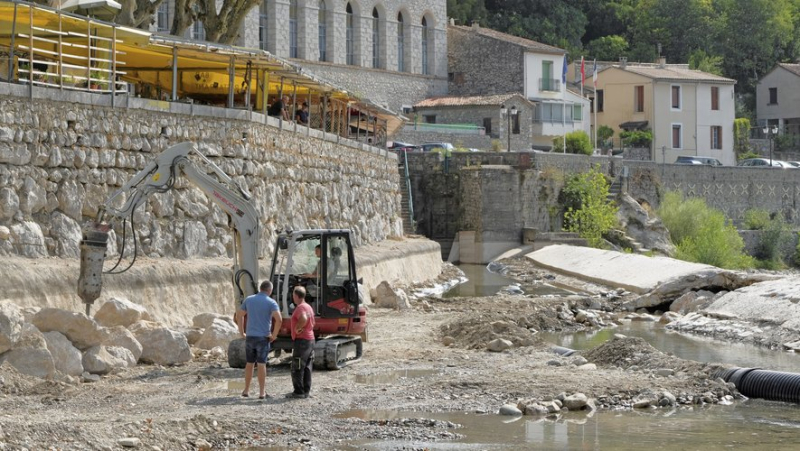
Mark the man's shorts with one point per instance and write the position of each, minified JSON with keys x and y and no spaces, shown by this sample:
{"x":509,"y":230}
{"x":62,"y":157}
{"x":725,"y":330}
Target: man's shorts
{"x":256,"y":349}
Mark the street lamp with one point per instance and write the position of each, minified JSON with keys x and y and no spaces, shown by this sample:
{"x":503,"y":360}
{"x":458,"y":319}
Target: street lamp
{"x":770,"y":132}
{"x":508,"y":113}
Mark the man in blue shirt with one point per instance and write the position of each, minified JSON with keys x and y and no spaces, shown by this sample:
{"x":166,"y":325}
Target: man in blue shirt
{"x":259,"y":311}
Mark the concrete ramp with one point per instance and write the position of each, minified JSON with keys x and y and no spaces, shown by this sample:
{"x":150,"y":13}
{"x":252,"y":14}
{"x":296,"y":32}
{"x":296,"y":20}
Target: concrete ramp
{"x":633,"y":272}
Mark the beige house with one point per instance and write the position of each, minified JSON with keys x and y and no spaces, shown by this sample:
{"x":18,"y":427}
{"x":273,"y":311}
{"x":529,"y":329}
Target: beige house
{"x":689,"y":112}
{"x":778,"y":98}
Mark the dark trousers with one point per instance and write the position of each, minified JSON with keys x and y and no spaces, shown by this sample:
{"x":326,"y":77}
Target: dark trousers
{"x":302,"y":362}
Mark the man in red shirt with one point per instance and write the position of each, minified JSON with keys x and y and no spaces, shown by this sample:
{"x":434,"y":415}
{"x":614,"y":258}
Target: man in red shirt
{"x":302,"y":324}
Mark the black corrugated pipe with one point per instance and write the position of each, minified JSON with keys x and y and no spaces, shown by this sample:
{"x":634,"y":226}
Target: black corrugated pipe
{"x":566,"y":352}
{"x":764,"y":384}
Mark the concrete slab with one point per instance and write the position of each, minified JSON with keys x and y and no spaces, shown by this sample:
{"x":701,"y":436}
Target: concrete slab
{"x":775,"y":302}
{"x":633,"y":272}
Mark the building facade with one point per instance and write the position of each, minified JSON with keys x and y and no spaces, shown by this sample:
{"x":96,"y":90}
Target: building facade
{"x":778,"y":98}
{"x":393,"y":52}
{"x":488,"y":62}
{"x":689,"y":112}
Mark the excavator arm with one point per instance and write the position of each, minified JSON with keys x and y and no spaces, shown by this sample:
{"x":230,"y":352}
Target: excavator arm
{"x":157,"y":177}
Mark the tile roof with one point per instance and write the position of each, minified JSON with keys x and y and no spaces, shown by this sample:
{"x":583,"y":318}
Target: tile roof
{"x":676,"y":72}
{"x":525,"y":43}
{"x":493,"y":100}
{"x":793,"y":68}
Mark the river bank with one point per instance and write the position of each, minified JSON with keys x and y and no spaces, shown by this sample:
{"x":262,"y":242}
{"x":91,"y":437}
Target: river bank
{"x":432,"y":357}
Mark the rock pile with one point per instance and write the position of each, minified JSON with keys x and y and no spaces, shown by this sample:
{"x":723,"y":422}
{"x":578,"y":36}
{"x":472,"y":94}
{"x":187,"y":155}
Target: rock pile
{"x":68,"y":346}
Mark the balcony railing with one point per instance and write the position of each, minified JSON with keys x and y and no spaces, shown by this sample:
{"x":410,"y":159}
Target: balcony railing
{"x":462,"y":129}
{"x":549,"y":85}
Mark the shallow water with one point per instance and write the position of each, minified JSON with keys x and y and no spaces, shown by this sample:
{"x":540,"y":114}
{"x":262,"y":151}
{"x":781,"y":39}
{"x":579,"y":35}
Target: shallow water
{"x":690,"y":347}
{"x":752,"y":424}
{"x":482,"y":282}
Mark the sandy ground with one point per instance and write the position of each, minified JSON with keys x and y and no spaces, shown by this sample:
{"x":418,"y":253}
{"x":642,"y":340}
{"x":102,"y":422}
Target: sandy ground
{"x":197,"y":405}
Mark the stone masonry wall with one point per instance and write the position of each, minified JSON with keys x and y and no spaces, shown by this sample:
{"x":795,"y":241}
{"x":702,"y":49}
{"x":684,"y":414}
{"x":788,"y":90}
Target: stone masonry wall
{"x":481,"y":65}
{"x":59,"y":160}
{"x":392,"y":89}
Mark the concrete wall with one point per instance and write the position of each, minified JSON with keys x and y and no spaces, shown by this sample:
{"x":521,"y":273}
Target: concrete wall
{"x":63,"y":153}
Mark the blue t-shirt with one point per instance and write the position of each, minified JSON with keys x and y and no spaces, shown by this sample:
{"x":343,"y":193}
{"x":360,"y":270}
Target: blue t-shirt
{"x":259,"y":308}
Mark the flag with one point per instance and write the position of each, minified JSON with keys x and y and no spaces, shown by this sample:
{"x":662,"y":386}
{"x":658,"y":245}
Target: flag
{"x":583,"y":72}
{"x":594,"y":73}
{"x":564,"y":71}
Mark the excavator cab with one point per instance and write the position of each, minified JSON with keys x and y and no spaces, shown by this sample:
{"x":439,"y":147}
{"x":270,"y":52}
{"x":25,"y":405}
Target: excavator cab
{"x":322,"y":261}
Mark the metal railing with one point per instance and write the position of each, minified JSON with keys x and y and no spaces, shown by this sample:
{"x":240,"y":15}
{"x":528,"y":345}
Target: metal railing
{"x":460,"y":129}
{"x":549,"y":85}
{"x":410,"y":196}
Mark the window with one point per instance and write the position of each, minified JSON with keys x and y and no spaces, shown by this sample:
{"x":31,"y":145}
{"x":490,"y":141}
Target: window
{"x":487,"y":125}
{"x":198,"y":32}
{"x":162,"y":25}
{"x":638,"y":99}
{"x":773,"y":96}
{"x":376,"y":39}
{"x":430,"y":118}
{"x":400,"y":43}
{"x":715,"y":98}
{"x":547,"y":75}
{"x":424,"y":46}
{"x":292,"y":28}
{"x":599,"y":100}
{"x":350,"y":50}
{"x":577,"y":113}
{"x":323,"y":31}
{"x":676,"y":97}
{"x":676,"y":136}
{"x":716,"y":137}
{"x":262,"y":25}
{"x":515,"y":125}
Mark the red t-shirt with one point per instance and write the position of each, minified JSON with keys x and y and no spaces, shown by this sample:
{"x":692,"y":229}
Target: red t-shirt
{"x":308,"y":330}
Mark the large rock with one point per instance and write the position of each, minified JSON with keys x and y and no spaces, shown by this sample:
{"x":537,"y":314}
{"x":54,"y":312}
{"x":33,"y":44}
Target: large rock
{"x":66,"y":357}
{"x":11,"y":321}
{"x":499,"y":345}
{"x":161,"y":345}
{"x":648,"y":231}
{"x":195,"y":240}
{"x":28,"y":239}
{"x":67,"y":233}
{"x":120,"y":312}
{"x":388,"y":297}
{"x":104,"y":360}
{"x":119,"y":336}
{"x":9,"y":204}
{"x":30,"y":355}
{"x":205,"y":320}
{"x":81,"y":330}
{"x":34,"y":197}
{"x":220,"y":333}
{"x":70,"y":199}
{"x":576,"y":401}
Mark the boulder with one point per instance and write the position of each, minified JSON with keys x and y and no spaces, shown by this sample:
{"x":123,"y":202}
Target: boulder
{"x":102,"y":360}
{"x":204,"y":320}
{"x":11,"y":321}
{"x":649,"y":232}
{"x":67,"y":233}
{"x":81,"y":330}
{"x":669,"y":317}
{"x":499,"y":345}
{"x":120,"y":312}
{"x":66,"y":357}
{"x":388,"y":297}
{"x":510,"y":410}
{"x":118,"y":336}
{"x":161,"y":345}
{"x":28,"y":239}
{"x":30,"y":355}
{"x":576,"y":401}
{"x":218,"y":334}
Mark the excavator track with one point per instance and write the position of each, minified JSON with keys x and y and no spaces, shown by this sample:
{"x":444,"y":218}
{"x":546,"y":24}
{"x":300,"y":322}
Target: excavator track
{"x":333,"y":353}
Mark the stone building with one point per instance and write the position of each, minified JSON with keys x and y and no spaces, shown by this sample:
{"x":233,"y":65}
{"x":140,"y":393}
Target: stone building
{"x":393,"y":52}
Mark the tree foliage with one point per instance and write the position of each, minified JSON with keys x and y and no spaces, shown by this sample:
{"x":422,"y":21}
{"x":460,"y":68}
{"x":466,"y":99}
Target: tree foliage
{"x":588,"y":210}
{"x":577,"y":142}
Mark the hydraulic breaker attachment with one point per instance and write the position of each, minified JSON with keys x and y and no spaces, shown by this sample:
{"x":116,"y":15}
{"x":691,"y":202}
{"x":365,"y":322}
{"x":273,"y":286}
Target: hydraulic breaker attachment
{"x":93,"y":254}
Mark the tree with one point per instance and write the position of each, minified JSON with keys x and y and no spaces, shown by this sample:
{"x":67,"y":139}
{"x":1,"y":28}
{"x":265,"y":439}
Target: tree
{"x":608,"y":48}
{"x":466,"y":11}
{"x":679,"y":26}
{"x":588,"y":210}
{"x":700,"y":60}
{"x":137,"y":13}
{"x":556,"y":23}
{"x":577,"y":142}
{"x":221,"y":26}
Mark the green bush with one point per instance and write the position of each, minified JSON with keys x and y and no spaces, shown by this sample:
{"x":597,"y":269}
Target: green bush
{"x":604,"y":133}
{"x":577,"y":142}
{"x":748,"y":154}
{"x":741,"y":136}
{"x":774,"y":235}
{"x":756,"y":219}
{"x":637,"y":138}
{"x":588,"y":211}
{"x":702,"y":234}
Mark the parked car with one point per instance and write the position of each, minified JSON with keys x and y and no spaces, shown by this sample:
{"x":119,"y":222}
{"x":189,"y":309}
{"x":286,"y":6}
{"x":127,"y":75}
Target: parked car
{"x":698,"y":160}
{"x":761,"y":163}
{"x":794,"y":163}
{"x":427,"y":147}
{"x":398,"y":147}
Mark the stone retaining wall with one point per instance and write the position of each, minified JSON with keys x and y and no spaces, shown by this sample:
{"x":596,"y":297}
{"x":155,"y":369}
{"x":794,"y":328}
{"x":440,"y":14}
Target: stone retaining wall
{"x":61,"y":159}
